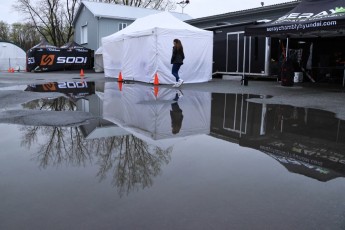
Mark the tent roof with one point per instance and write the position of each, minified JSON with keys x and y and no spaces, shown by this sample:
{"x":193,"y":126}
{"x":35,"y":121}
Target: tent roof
{"x":99,"y":50}
{"x":44,"y":44}
{"x":310,"y":18}
{"x":72,"y":45}
{"x":4,"y":43}
{"x":117,"y":11}
{"x":164,"y":20}
{"x":9,"y":49}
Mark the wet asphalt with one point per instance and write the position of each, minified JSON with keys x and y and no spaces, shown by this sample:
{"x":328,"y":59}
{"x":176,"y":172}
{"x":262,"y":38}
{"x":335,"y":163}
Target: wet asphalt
{"x":324,"y":96}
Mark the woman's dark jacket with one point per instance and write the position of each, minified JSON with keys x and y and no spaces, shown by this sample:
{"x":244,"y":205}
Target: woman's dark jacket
{"x":177,"y":56}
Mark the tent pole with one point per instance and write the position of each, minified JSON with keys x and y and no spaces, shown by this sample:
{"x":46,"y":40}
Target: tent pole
{"x":287,"y":48}
{"x":244,"y":79}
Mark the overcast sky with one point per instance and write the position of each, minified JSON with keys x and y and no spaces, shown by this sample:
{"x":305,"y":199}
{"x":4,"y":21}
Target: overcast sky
{"x":196,"y":8}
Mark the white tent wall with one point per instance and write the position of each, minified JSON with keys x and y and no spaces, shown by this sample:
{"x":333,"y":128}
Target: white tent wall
{"x":139,"y":58}
{"x":197,"y":65}
{"x":12,"y":56}
{"x":145,"y":47}
{"x":112,"y":56}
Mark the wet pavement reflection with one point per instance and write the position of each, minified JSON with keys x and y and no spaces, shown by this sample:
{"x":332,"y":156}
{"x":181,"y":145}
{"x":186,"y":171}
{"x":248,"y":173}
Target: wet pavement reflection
{"x":306,"y":141}
{"x":143,"y":157}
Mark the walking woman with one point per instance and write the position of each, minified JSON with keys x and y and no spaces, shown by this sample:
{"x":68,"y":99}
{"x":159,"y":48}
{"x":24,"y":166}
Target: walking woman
{"x":177,"y":60}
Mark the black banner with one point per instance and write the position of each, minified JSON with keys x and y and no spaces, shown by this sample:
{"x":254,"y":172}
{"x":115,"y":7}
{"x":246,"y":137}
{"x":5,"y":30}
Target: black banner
{"x":50,"y":59}
{"x":307,"y":17}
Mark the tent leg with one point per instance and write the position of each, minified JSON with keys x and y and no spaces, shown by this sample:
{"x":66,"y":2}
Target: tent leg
{"x":287,"y":48}
{"x":344,"y":77}
{"x":244,"y":80}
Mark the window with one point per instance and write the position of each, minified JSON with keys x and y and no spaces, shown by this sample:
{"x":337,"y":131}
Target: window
{"x":122,"y":26}
{"x":83,"y":34}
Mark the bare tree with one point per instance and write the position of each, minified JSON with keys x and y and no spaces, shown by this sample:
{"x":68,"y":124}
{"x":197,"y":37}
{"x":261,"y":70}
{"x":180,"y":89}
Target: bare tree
{"x":4,"y":31}
{"x":51,"y":18}
{"x":24,"y":35}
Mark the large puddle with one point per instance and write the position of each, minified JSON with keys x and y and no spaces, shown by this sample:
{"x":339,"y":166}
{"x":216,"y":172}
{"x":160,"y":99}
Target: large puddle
{"x":132,"y":156}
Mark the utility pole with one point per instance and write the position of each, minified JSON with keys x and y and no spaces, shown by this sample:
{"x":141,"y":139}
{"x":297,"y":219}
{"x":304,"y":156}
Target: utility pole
{"x":183,"y":4}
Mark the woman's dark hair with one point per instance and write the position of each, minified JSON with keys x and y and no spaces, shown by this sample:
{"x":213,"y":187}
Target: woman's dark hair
{"x":178,"y":44}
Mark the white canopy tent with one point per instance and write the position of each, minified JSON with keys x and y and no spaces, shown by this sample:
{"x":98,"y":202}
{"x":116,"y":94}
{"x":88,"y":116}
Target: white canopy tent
{"x":144,"y":48}
{"x":12,"y":56}
{"x":136,"y":109}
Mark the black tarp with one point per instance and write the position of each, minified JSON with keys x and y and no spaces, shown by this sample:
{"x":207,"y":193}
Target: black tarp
{"x":310,"y":18}
{"x":46,"y":57}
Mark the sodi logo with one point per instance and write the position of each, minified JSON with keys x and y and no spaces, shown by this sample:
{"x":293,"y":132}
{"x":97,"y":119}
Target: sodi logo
{"x":47,"y":59}
{"x":49,"y":87}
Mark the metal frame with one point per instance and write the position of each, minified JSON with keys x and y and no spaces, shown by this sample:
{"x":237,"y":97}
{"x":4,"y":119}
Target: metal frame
{"x":227,"y":50}
{"x":245,"y":54}
{"x":233,"y":129}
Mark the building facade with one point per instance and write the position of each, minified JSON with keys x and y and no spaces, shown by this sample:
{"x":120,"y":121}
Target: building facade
{"x":95,"y":20}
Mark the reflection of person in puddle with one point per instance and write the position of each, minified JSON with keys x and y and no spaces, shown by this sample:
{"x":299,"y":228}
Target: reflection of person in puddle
{"x":176,"y":114}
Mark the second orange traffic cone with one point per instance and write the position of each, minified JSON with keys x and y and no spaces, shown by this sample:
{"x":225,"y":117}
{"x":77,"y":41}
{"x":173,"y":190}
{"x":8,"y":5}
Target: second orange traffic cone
{"x":155,"y":81}
{"x":120,"y":77}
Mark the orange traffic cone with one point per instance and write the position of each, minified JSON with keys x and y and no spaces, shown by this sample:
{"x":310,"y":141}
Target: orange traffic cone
{"x":9,"y":70}
{"x":120,"y":77}
{"x":155,"y":91}
{"x":82,"y":73}
{"x":12,"y":70}
{"x":156,"y":82}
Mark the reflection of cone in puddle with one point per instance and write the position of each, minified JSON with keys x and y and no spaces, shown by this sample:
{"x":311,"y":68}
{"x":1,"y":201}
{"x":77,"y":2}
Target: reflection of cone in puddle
{"x":119,"y":79}
{"x":82,"y":73}
{"x":156,"y":82}
{"x":155,"y":91}
{"x":82,"y":76}
{"x":119,"y":84}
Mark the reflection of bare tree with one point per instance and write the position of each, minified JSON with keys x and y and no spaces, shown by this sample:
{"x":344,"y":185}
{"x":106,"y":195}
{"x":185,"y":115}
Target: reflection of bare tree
{"x":132,"y":162}
{"x":62,"y":145}
{"x":57,"y":104}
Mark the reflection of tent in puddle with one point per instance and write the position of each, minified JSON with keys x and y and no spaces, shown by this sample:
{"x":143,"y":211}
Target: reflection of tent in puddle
{"x":137,"y":110}
{"x":101,"y":128}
